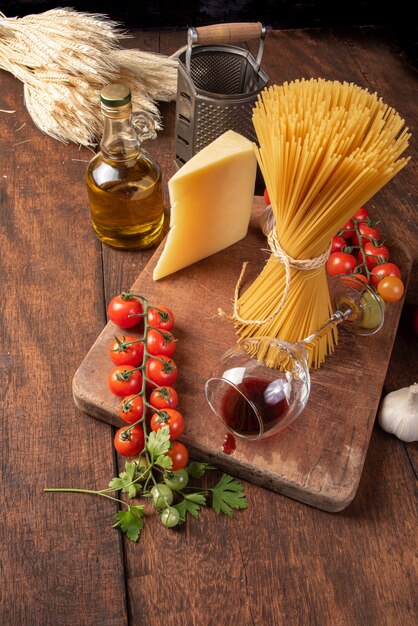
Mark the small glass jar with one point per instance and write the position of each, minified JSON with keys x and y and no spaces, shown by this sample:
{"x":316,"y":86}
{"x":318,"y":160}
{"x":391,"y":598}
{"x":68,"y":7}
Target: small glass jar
{"x":123,"y":181}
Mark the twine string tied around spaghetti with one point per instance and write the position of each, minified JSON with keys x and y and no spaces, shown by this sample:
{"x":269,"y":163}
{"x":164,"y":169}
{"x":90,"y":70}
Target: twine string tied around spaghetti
{"x":289,"y":262}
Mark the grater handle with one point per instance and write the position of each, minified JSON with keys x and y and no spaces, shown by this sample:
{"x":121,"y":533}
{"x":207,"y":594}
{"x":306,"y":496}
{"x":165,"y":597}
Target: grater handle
{"x":226,"y":33}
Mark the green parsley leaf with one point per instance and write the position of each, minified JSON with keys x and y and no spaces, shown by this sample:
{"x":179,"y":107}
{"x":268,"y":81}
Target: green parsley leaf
{"x":164,"y":461}
{"x":158,"y":442}
{"x":196,"y":470}
{"x":228,"y":494}
{"x":182,"y":509}
{"x":125,"y":480}
{"x":130,"y":521}
{"x":132,"y":490}
{"x":191,"y":504}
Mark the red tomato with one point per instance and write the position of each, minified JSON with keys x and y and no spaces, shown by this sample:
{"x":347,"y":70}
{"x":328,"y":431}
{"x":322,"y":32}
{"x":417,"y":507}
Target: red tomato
{"x":355,"y":281}
{"x":362,"y":215}
{"x":122,"y":307}
{"x":366,"y":233}
{"x":390,"y":289}
{"x":374,"y":255}
{"x":337,"y":243}
{"x":124,"y":380}
{"x":129,"y":443}
{"x":266,"y":196}
{"x":131,"y":409}
{"x":164,"y":398}
{"x":122,"y":353}
{"x":347,"y":230}
{"x":179,"y":455}
{"x":161,"y":318}
{"x":341,"y":263}
{"x":160,"y":342}
{"x":170,"y":417}
{"x":383,"y":270}
{"x":361,"y":277}
{"x":161,"y":371}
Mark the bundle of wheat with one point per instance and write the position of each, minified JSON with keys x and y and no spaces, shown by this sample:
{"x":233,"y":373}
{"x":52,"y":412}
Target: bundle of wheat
{"x":64,"y":57}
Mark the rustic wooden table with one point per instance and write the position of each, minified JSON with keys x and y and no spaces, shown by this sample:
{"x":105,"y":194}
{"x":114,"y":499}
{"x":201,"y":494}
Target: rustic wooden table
{"x":278,"y":562}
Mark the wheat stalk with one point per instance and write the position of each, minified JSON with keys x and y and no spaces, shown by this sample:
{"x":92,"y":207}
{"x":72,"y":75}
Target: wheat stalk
{"x":64,"y":57}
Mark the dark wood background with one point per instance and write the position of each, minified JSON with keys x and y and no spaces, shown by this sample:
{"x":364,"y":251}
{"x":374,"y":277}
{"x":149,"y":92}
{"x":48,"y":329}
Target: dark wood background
{"x":396,"y":17}
{"x":279,"y":562}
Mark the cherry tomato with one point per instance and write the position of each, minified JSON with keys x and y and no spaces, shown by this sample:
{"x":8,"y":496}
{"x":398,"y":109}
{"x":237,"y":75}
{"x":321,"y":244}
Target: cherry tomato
{"x":122,"y":353}
{"x":266,"y":196}
{"x":362,"y":215}
{"x":129,"y":444}
{"x":341,"y":263}
{"x":160,"y":342}
{"x":347,"y":230}
{"x":366,"y":233}
{"x":374,"y":255}
{"x":362,"y":277}
{"x":162,"y":496}
{"x":390,"y":288}
{"x":131,"y":409}
{"x":124,"y":380}
{"x":170,"y":517}
{"x":122,"y":307}
{"x":383,"y":270}
{"x":161,"y":371}
{"x":337,"y":243}
{"x":176,"y":480}
{"x":164,"y":398}
{"x":161,"y":318}
{"x":355,"y":281}
{"x":170,"y":417}
{"x":179,"y":455}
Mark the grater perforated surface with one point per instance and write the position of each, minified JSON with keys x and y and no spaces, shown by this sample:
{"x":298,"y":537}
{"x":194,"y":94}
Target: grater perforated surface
{"x":212,"y":117}
{"x":218,"y":73}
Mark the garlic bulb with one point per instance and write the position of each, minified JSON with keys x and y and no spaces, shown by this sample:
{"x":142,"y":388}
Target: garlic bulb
{"x":399,"y":413}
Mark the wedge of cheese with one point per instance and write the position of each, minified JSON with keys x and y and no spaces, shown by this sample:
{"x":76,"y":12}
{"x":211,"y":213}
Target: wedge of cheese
{"x":211,"y":198}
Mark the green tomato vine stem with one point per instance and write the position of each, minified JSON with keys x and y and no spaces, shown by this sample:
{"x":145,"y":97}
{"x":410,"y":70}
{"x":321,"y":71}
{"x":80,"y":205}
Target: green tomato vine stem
{"x":87,"y":491}
{"x":362,"y":265}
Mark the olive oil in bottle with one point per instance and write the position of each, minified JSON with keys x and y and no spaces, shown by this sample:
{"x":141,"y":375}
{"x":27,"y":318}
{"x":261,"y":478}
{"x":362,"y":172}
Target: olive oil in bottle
{"x":123,"y":181}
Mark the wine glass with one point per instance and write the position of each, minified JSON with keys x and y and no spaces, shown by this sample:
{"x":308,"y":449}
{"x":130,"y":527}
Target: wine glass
{"x":256,"y":401}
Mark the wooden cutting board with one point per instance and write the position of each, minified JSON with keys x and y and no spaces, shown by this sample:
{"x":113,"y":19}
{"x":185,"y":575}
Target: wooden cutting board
{"x":319,"y":459}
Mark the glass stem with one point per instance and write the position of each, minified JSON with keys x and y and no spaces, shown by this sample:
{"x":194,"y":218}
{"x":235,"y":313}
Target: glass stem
{"x":334,"y":320}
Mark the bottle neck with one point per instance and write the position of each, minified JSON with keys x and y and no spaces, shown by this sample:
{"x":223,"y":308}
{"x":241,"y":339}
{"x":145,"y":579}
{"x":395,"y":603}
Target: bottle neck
{"x":119,"y":141}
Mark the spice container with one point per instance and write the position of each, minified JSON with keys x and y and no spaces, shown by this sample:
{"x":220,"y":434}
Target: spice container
{"x":123,"y":181}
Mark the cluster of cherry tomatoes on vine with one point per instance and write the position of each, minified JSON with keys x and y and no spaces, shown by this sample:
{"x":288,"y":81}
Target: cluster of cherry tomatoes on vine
{"x":143,"y":376}
{"x":357,"y":249}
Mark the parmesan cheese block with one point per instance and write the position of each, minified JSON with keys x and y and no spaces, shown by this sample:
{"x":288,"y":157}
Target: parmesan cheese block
{"x":211,"y":198}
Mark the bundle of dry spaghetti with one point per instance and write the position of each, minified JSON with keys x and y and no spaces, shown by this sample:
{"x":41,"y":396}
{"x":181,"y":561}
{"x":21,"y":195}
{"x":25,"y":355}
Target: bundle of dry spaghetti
{"x":64,"y":58}
{"x":325,"y":148}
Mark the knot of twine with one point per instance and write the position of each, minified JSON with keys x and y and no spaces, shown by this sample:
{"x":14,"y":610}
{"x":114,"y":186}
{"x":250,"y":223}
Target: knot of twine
{"x":288,"y":262}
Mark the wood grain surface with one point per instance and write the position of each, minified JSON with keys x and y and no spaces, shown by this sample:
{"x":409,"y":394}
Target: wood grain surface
{"x":279,"y":562}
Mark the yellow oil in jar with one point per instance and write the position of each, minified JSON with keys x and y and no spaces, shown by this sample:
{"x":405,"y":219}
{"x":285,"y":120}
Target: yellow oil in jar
{"x":126,"y":202}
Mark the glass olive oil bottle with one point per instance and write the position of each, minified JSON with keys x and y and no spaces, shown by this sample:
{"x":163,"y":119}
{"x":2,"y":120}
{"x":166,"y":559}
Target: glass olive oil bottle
{"x":123,"y":181}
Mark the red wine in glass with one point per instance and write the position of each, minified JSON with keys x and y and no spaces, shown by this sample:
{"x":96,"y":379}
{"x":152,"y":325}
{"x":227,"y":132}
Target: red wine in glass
{"x":269,"y":399}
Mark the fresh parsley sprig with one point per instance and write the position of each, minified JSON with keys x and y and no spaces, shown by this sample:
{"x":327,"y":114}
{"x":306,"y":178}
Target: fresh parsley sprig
{"x":226,"y":496}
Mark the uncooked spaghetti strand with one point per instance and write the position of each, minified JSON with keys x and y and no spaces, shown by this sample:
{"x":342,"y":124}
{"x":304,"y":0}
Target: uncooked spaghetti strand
{"x":325,"y":148}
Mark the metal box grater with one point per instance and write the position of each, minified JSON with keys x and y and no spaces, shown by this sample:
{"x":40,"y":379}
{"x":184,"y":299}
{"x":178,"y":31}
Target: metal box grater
{"x":217,"y":88}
